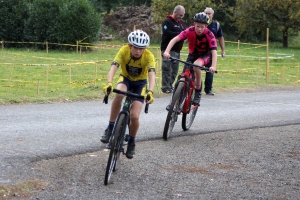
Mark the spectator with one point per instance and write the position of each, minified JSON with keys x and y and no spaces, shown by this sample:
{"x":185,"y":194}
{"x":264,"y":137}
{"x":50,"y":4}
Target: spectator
{"x":171,"y":27}
{"x":214,"y":27}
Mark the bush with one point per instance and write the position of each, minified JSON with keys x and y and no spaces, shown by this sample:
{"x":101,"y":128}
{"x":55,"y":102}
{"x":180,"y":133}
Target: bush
{"x":55,"y":21}
{"x":62,"y":21}
{"x":41,"y":23}
{"x":80,"y":17}
{"x":12,"y":15}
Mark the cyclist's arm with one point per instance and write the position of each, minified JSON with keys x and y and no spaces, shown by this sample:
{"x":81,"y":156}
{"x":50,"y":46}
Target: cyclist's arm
{"x":151,"y":77}
{"x":214,"y":56}
{"x":170,"y":45}
{"x":111,"y":73}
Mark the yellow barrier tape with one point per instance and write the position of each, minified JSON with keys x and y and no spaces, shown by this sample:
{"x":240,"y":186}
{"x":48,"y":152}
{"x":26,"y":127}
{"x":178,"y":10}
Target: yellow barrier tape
{"x":58,"y":64}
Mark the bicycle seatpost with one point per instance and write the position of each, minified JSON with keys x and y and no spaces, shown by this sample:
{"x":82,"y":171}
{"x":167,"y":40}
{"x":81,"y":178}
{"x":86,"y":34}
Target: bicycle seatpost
{"x":105,"y":100}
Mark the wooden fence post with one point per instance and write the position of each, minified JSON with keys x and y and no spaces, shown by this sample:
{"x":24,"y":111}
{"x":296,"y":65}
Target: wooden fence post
{"x":267,"y":56}
{"x":95,"y":74}
{"x":38,"y":88}
{"x":70,"y":75}
{"x":47,"y":78}
{"x":297,"y":76}
{"x":80,"y":50}
{"x":77,"y":46}
{"x":237,"y":62}
{"x":257,"y":71}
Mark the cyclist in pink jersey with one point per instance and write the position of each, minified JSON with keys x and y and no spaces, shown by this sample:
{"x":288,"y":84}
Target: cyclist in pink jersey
{"x":202,"y":49}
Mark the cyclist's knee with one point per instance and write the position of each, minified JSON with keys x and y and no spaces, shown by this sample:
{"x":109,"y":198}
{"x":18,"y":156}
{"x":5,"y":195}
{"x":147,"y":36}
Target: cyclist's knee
{"x":134,"y":117}
{"x":118,"y":97}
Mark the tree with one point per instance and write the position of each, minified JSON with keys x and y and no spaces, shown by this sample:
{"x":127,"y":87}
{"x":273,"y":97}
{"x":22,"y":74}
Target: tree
{"x":109,"y":5}
{"x":252,"y":17}
{"x":223,"y":13}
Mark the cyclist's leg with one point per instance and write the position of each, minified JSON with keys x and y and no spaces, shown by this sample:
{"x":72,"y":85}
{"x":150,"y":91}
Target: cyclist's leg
{"x":134,"y":117}
{"x":202,"y":61}
{"x":198,"y":81}
{"x":137,"y":87}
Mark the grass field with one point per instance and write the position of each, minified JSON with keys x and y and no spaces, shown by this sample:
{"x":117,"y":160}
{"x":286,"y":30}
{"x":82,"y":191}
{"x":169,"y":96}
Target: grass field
{"x":28,"y":76}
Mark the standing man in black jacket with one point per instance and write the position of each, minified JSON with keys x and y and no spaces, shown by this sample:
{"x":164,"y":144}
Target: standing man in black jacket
{"x":171,"y":27}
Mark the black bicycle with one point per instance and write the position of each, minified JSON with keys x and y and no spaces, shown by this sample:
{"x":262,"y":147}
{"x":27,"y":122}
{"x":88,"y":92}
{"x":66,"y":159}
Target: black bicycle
{"x":118,"y":133}
{"x":182,"y":100}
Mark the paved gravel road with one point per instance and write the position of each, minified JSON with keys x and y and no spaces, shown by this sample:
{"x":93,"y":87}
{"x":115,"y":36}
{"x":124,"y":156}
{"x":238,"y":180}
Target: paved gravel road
{"x":241,"y":146}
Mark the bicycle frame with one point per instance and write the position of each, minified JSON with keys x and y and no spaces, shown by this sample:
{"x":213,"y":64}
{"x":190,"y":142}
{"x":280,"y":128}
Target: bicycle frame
{"x":182,"y":100}
{"x":187,"y":78}
{"x":119,"y":131}
{"x":127,"y":106}
{"x":126,"y":109}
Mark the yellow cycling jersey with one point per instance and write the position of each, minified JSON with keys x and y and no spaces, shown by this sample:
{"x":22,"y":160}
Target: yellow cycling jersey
{"x":134,"y":70}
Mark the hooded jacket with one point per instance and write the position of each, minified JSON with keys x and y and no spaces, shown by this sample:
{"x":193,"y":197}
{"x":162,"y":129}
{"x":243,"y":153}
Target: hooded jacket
{"x":170,"y":29}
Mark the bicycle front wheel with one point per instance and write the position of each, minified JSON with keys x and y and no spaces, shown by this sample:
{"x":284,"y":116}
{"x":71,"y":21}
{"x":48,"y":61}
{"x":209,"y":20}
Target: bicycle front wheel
{"x":174,"y":111}
{"x":116,"y":147}
{"x":188,"y":118}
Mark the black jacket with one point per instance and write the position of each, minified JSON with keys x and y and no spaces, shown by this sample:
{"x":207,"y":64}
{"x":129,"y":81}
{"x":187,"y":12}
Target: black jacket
{"x":170,"y":29}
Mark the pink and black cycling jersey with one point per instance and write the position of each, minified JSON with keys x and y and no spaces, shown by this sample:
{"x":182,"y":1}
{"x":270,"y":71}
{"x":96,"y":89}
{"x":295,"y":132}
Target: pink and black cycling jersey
{"x":199,"y":44}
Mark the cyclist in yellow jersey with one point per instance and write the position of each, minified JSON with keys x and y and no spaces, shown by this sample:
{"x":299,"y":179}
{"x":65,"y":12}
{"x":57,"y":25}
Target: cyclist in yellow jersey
{"x":137,"y":65}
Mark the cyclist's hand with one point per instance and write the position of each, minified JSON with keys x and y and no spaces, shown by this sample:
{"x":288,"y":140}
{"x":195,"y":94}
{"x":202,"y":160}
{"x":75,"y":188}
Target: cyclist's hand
{"x":106,"y":87}
{"x":212,"y":69}
{"x":151,"y":100}
{"x":166,"y":55}
{"x":223,"y":54}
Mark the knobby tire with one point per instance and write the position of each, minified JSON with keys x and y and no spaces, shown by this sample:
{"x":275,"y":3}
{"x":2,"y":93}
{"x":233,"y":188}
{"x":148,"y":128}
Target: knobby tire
{"x":173,"y":111}
{"x":116,"y":147}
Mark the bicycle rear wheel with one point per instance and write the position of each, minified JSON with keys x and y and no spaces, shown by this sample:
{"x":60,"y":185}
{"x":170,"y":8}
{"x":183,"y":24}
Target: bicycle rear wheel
{"x":116,"y":147}
{"x":188,"y":118}
{"x":174,"y":111}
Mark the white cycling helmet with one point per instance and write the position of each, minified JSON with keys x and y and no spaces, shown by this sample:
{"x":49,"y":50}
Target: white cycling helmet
{"x":139,"y":39}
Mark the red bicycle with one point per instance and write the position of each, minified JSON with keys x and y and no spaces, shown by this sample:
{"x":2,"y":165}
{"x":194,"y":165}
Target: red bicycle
{"x":182,"y":100}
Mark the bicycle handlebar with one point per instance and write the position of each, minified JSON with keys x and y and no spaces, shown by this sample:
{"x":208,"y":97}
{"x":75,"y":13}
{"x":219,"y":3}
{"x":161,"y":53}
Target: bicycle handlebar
{"x":126,"y":93}
{"x":191,"y":64}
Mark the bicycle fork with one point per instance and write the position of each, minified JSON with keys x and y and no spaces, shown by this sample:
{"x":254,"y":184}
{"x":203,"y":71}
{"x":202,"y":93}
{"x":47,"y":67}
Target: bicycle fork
{"x":182,"y":100}
{"x":123,"y":134}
